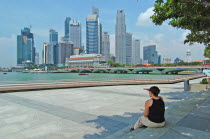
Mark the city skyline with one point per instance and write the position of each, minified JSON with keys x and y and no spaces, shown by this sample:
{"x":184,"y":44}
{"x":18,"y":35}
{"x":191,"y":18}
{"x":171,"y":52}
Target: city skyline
{"x":165,"y":37}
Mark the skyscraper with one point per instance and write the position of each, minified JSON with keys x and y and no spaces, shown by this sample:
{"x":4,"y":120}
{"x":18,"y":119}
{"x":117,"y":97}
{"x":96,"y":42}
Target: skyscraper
{"x":188,"y":56}
{"x":120,"y":38}
{"x":36,"y":58}
{"x":93,"y":33}
{"x":75,"y":33}
{"x":25,"y":47}
{"x":136,"y":52}
{"x":128,"y":48}
{"x":106,"y":46}
{"x":65,"y":51}
{"x":66,"y":26}
{"x":45,"y":53}
{"x":150,"y":54}
{"x":53,"y":49}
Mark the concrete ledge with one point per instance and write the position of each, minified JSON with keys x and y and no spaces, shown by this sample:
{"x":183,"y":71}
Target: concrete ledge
{"x":197,"y":87}
{"x":43,"y":86}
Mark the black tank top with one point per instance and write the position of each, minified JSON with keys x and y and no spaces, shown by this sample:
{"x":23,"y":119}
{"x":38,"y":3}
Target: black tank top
{"x":156,"y":111}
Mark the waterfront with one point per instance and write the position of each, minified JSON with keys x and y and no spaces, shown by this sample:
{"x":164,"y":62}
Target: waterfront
{"x":18,"y":77}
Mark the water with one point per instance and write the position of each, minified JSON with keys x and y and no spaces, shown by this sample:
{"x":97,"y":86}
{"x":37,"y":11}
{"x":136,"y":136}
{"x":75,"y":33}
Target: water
{"x":20,"y":78}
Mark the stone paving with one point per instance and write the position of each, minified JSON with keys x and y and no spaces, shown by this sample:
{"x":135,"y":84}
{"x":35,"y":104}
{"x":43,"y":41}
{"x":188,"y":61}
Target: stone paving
{"x":102,"y":112}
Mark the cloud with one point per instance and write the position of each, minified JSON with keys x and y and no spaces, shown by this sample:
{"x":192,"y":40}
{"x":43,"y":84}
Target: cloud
{"x":8,"y":51}
{"x":144,"y":18}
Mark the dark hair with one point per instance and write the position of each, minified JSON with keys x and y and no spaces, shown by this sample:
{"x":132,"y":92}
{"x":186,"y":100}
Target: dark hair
{"x":154,"y":90}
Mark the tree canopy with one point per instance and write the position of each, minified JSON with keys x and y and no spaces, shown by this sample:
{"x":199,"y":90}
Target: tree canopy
{"x":193,"y":15}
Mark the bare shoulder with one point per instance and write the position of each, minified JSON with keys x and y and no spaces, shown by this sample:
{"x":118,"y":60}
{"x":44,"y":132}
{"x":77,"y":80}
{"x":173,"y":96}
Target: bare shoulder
{"x":149,"y":102}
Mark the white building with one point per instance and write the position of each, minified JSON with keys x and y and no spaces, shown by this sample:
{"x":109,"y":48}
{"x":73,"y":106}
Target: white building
{"x":166,"y":60}
{"x":106,"y":46}
{"x":86,"y":60}
{"x":136,"y":52}
{"x":188,"y":56}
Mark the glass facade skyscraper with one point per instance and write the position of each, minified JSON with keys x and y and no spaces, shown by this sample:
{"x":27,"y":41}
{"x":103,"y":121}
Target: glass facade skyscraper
{"x":150,"y":54}
{"x":75,"y":33}
{"x":67,"y":22}
{"x":120,"y":38}
{"x":93,"y":33}
{"x":53,"y":49}
{"x":25,"y":47}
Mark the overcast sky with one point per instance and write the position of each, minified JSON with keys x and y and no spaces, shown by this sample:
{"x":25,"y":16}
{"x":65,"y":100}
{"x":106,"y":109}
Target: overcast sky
{"x":46,"y":14}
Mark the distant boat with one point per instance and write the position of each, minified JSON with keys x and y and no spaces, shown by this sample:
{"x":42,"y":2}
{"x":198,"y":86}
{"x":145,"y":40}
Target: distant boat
{"x":83,"y":74}
{"x":5,"y":73}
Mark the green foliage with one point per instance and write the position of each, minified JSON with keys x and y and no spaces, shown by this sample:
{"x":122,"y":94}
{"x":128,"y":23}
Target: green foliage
{"x":207,"y":52}
{"x":204,"y":81}
{"x":193,"y":15}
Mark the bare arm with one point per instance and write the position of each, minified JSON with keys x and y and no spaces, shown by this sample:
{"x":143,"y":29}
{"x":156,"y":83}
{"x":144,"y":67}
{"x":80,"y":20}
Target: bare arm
{"x":147,"y":105}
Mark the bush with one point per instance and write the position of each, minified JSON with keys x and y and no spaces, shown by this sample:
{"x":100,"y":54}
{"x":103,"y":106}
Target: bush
{"x":204,"y":81}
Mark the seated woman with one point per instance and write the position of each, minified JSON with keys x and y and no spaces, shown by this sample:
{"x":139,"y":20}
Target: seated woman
{"x":154,"y":111}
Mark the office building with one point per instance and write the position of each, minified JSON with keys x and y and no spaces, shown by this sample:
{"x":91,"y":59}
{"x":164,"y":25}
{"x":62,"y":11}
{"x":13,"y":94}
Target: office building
{"x":45,"y":53}
{"x":75,"y":33}
{"x":128,"y":48}
{"x":166,"y":60}
{"x":136,"y":52}
{"x":65,"y":51}
{"x":188,"y":56}
{"x":93,"y":33}
{"x":150,"y":54}
{"x":66,"y":26}
{"x":36,"y":58}
{"x":25,"y":47}
{"x":120,"y":37}
{"x":53,"y":49}
{"x":159,"y":59}
{"x":106,"y":46}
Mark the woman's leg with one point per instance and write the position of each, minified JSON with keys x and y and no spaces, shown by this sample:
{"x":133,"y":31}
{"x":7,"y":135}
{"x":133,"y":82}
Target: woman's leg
{"x":138,"y":123}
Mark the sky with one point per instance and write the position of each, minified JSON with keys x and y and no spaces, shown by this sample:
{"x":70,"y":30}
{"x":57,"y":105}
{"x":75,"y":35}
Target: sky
{"x":45,"y":14}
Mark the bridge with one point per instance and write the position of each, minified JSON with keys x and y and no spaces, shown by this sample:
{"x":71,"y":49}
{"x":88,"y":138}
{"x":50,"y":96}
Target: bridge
{"x":143,"y":70}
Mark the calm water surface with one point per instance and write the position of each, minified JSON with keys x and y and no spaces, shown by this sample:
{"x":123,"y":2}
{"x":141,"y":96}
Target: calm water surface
{"x":19,"y":77}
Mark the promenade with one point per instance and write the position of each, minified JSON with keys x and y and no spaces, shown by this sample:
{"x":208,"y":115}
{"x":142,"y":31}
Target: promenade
{"x":102,"y":112}
{"x":91,"y":83}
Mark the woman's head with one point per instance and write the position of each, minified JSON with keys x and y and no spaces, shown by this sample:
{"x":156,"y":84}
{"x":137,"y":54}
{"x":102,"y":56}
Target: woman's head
{"x":154,"y":90}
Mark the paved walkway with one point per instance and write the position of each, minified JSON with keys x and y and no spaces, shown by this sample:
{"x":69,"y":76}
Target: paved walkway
{"x":101,"y":112}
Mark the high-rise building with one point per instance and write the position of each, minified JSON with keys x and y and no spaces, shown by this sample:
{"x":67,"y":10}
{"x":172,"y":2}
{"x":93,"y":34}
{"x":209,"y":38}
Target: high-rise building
{"x":159,"y":59}
{"x":65,"y":51}
{"x":128,"y":48}
{"x":66,"y":26}
{"x":53,"y":50}
{"x":36,"y":58}
{"x":136,"y":52}
{"x":188,"y":56}
{"x":106,"y":46}
{"x":93,"y":33}
{"x":25,"y":47}
{"x":150,"y":54}
{"x":120,"y":38}
{"x":45,"y":53}
{"x":75,"y":33}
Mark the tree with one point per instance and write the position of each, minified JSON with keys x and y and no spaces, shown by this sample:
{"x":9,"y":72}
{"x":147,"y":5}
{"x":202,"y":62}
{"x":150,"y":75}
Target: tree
{"x":193,"y":15}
